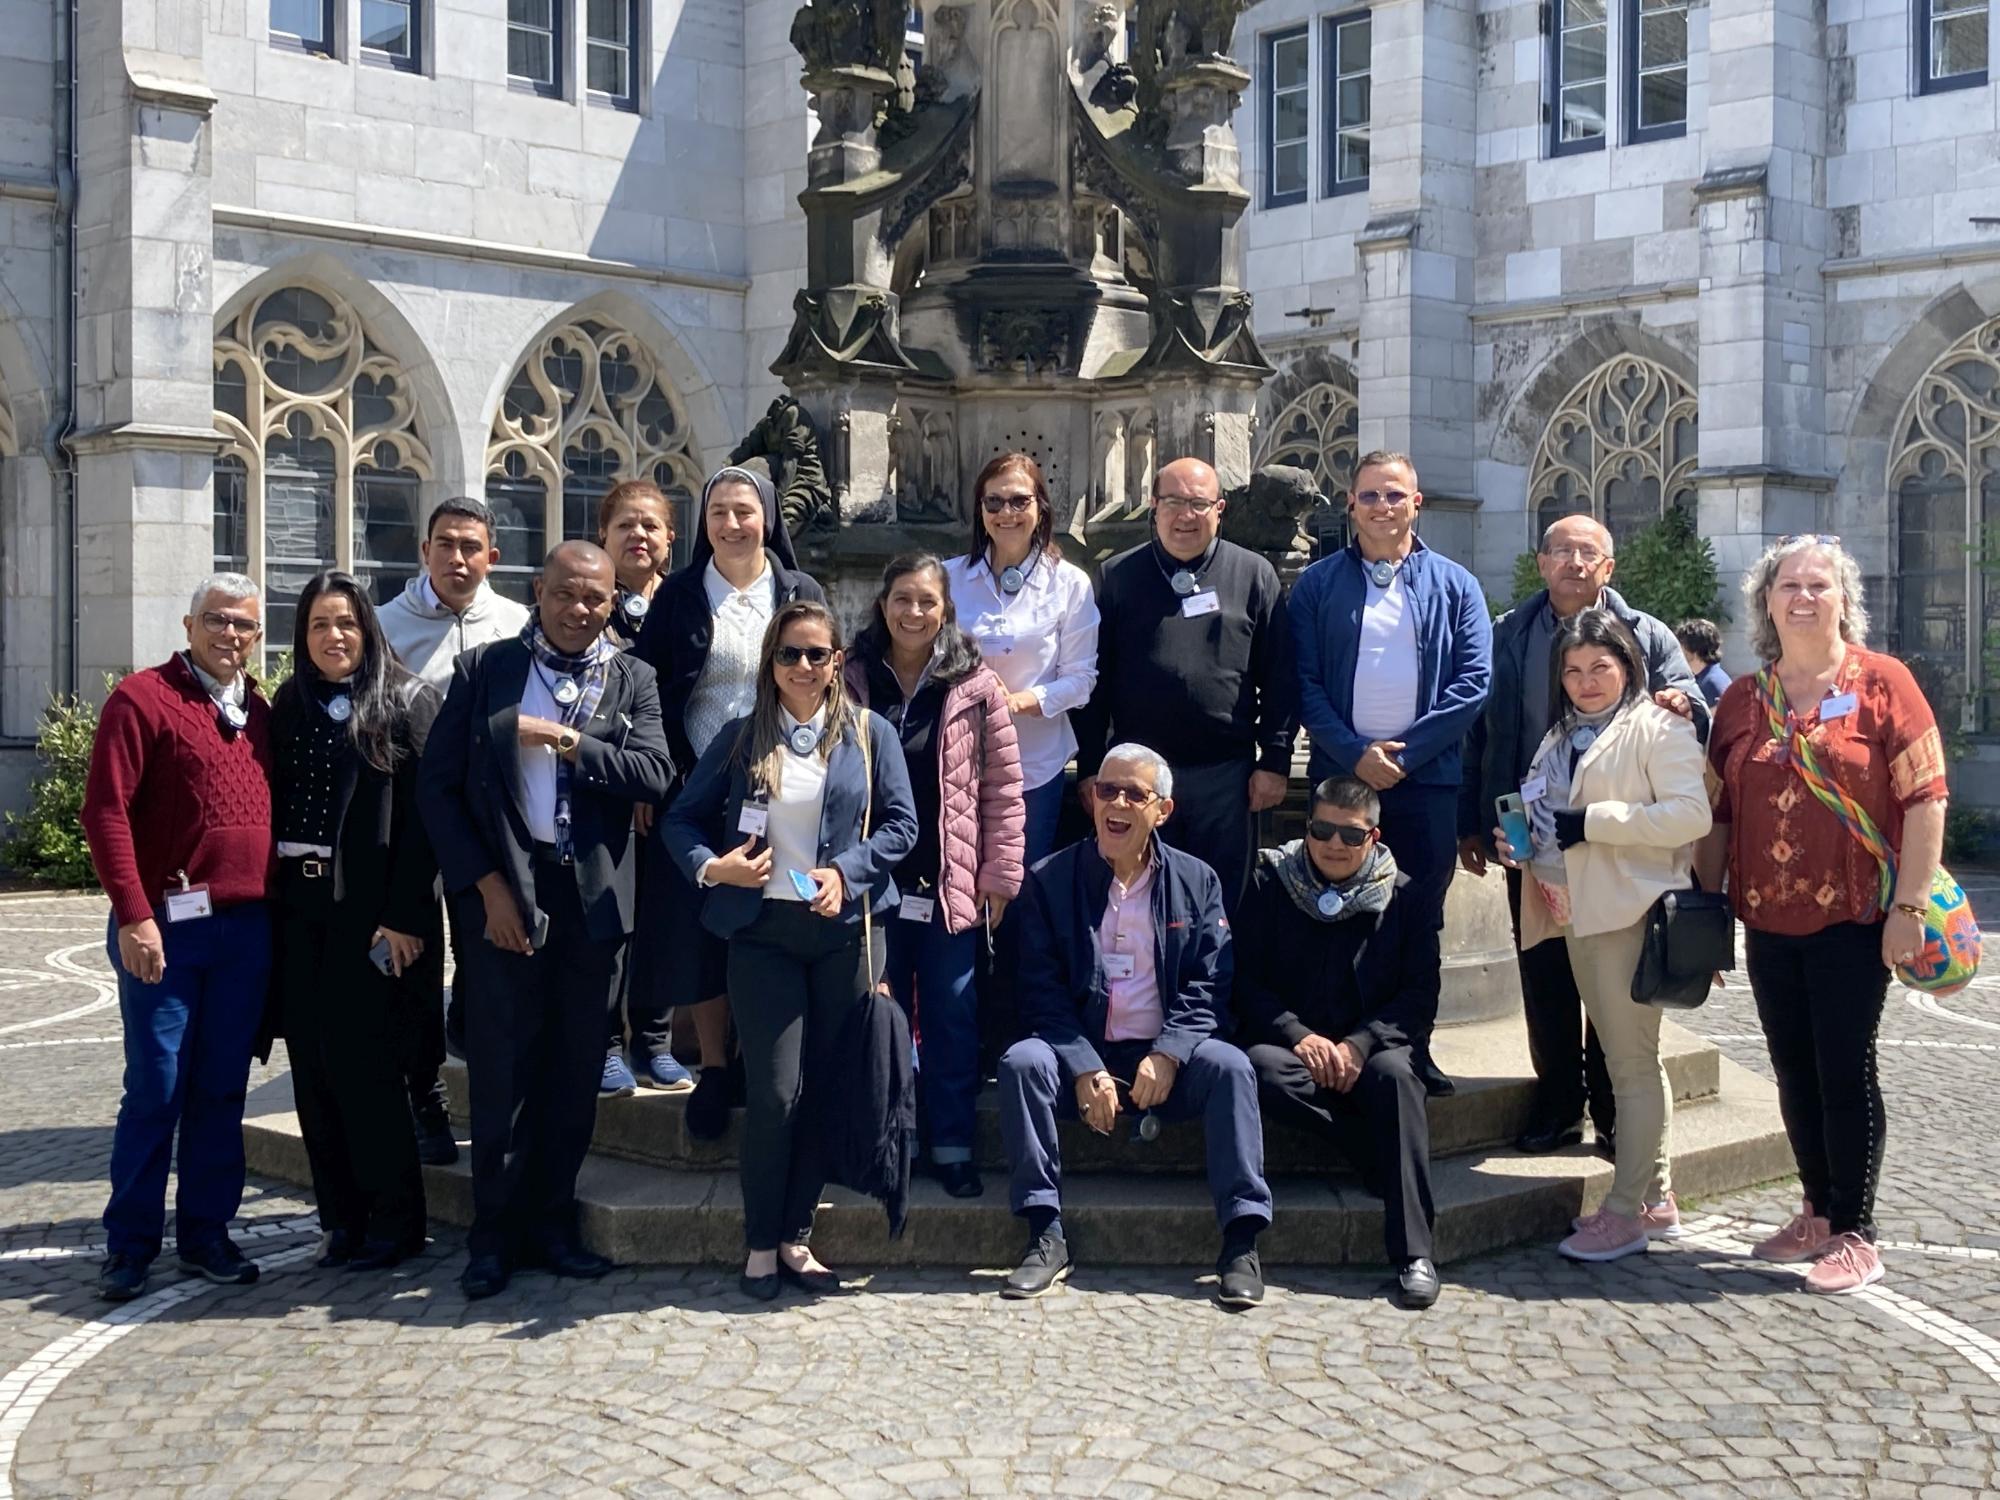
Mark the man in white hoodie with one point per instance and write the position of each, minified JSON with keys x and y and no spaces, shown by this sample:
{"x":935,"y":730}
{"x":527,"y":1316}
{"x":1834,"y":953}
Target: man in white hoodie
{"x":446,"y":609}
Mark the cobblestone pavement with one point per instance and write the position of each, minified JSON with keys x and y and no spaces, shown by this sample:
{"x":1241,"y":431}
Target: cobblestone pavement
{"x":1690,"y":1373}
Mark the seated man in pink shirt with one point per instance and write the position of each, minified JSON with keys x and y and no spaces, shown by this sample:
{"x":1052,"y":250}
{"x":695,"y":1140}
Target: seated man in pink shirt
{"x":1124,"y":976}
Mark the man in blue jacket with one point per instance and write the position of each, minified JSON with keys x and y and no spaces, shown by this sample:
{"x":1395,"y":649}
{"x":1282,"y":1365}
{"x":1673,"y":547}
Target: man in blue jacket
{"x":1394,"y":649}
{"x":1124,"y":982}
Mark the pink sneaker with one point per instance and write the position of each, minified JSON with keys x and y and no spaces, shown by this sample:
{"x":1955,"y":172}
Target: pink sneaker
{"x":1662,"y":1220}
{"x":1848,"y":1263}
{"x":1605,"y":1235}
{"x":1804,"y":1238}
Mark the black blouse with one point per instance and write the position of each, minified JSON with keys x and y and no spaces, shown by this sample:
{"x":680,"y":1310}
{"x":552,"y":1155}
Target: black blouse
{"x":309,"y":765}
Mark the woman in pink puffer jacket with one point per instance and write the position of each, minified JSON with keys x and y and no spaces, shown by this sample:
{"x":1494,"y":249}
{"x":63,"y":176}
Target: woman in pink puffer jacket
{"x":915,"y":667}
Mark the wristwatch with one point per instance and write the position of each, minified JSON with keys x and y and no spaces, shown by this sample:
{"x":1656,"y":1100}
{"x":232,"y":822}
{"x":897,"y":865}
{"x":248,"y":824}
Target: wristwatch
{"x":567,"y":741}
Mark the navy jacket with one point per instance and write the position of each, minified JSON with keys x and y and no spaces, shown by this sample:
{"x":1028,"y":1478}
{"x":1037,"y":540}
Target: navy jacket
{"x":1454,"y":668}
{"x":703,"y":820}
{"x":1065,"y":998}
{"x":860,"y":1105}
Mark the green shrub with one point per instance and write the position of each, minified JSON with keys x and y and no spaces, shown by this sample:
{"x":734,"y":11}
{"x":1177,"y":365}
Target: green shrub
{"x":1526,"y":581}
{"x":1968,"y":834}
{"x":1668,"y":570}
{"x":46,"y":841}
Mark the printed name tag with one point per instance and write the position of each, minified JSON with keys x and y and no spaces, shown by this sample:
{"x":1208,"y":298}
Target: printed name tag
{"x":1534,"y":788}
{"x":754,"y":819}
{"x":1196,"y":605}
{"x":185,"y":906}
{"x":998,"y":645}
{"x":919,"y":908}
{"x":1836,"y":707}
{"x":1118,"y":966}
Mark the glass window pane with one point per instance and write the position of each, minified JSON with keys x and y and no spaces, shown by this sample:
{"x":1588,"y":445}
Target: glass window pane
{"x":1352,"y":163}
{"x":1288,"y":117}
{"x":1288,"y":63}
{"x":1663,"y":98}
{"x":607,"y":21}
{"x":1354,"y":101}
{"x":385,"y":520}
{"x":1583,"y":55}
{"x":298,"y":500}
{"x":1958,"y":45}
{"x":605,"y":70}
{"x":528,"y":55}
{"x":518,"y":506}
{"x":1582,"y":13}
{"x":592,"y":470}
{"x":1663,"y":39}
{"x":535,"y":13}
{"x":385,"y":27}
{"x":1288,"y":169}
{"x":1354,"y":43}
{"x":1583,"y":112}
{"x":304,"y":19}
{"x":232,"y":514}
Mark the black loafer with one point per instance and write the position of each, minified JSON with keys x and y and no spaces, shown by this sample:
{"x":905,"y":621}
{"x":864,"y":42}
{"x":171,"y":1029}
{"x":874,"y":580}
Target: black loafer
{"x":1540,"y":1140}
{"x":708,"y":1106}
{"x":960,"y":1179}
{"x":759,"y":1288}
{"x":579,"y":1264}
{"x":380,"y":1255}
{"x":1241,"y":1278}
{"x":437,"y":1146}
{"x":1042,"y":1269}
{"x":484,"y":1276}
{"x":337,"y":1248}
{"x":819,"y":1283}
{"x":1432,"y":1077}
{"x":123,"y":1277}
{"x":1417,"y":1283}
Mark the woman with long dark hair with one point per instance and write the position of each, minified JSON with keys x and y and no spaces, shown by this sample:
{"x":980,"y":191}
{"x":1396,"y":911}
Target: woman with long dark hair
{"x":1615,"y":802}
{"x":791,"y":824}
{"x":358,"y":927}
{"x":914,"y":666}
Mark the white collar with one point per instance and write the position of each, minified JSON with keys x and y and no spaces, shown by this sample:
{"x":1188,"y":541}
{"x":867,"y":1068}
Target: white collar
{"x":213,"y":685}
{"x":720,"y":588}
{"x":817,"y":721}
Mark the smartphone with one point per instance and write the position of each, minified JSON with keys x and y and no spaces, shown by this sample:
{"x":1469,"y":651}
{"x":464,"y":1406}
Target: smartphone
{"x":1513,"y":815}
{"x":541,"y":935}
{"x":804,"y":884}
{"x":380,"y":957}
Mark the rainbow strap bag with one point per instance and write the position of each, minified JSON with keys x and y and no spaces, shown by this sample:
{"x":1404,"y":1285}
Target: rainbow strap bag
{"x":1950,"y":955}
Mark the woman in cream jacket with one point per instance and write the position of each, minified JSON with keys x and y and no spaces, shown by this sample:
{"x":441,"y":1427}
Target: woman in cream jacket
{"x":1615,"y":803}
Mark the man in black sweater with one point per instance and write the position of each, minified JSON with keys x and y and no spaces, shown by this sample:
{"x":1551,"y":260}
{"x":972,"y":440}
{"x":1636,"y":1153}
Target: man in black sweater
{"x":1332,"y":964}
{"x":1194,"y":660}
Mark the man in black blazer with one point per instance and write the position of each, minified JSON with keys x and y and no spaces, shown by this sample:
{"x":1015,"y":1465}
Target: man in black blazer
{"x":544,"y":744}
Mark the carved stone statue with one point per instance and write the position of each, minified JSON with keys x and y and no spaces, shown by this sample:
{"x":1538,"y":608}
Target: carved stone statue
{"x":832,"y":34}
{"x":786,"y":441}
{"x":1268,"y":514}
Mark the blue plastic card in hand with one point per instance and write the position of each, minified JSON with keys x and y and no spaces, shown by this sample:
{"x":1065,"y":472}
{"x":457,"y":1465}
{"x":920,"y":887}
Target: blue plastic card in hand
{"x":804,"y":884}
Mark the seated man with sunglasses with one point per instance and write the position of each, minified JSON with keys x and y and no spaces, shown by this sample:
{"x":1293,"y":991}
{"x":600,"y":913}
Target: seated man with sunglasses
{"x":1124,"y":985}
{"x":1335,"y":961}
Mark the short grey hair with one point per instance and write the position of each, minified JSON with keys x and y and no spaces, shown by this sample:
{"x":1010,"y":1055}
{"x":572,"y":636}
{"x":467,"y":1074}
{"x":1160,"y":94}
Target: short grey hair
{"x":1610,"y":541}
{"x":232,"y":587}
{"x":1133,"y":753}
{"x":1764,"y":572}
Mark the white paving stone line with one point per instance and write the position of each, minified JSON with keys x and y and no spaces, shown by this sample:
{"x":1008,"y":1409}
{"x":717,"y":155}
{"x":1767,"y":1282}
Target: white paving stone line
{"x":1929,"y":1005}
{"x":65,"y":968}
{"x":277,"y":1229}
{"x":1887,"y":1041}
{"x":96,"y":1041}
{"x":1719,"y":1234}
{"x":25,"y":1388}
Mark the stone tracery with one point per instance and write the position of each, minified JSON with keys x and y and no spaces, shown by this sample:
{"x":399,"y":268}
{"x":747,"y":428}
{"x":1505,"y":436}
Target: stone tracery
{"x":1620,"y":447}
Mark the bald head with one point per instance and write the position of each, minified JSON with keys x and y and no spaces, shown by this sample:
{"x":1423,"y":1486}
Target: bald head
{"x":1188,"y":476}
{"x":1575,"y":563}
{"x":1572,"y":531}
{"x":574,"y":595}
{"x":1187,"y":508}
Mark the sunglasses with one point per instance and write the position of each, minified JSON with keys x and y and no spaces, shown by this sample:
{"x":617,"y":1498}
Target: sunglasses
{"x":994,"y":504}
{"x":1110,"y":793}
{"x":791,"y":656}
{"x":1325,"y":833}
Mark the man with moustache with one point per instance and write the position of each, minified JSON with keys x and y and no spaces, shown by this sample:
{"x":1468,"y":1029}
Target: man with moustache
{"x":544,"y":743}
{"x":1194,"y":661}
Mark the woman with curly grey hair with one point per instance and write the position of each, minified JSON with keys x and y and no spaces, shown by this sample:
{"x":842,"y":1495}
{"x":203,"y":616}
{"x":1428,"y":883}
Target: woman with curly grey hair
{"x":1824,"y":731}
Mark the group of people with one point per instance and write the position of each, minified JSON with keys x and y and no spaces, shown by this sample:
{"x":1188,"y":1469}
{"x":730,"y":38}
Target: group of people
{"x":663,"y":790}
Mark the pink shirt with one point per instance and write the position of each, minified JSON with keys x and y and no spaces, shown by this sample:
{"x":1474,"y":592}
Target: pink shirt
{"x":1127,"y":933}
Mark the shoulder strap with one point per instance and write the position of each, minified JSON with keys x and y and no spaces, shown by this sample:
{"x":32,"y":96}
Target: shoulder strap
{"x":867,"y":816}
{"x":1853,"y":816}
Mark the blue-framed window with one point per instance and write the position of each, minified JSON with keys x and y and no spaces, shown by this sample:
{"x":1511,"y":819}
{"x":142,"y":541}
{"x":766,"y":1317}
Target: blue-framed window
{"x":535,"y":45}
{"x":304,"y":24}
{"x":611,"y":51}
{"x":1656,"y":69}
{"x":1951,"y":44}
{"x":1287,"y":110}
{"x":1347,"y":48}
{"x":392,"y":33}
{"x":1579,"y":78}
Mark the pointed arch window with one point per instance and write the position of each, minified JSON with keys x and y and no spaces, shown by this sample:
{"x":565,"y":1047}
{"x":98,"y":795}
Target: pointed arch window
{"x":1621,"y":447}
{"x":588,"y":407}
{"x":323,"y":460}
{"x":1319,"y":431}
{"x":1945,"y":475}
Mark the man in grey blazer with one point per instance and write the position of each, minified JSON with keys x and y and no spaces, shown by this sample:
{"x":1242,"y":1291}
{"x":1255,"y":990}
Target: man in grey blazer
{"x":544,"y":744}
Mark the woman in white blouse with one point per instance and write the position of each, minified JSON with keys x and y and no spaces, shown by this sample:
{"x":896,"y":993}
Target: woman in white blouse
{"x":1035,"y":619}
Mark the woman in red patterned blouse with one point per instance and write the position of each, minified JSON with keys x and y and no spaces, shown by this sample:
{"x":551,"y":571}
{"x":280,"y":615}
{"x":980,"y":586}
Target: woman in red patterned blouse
{"x":1820,"y":945}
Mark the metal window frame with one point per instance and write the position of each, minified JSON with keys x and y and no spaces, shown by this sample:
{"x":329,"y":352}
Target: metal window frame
{"x":414,"y":63}
{"x":558,"y":40}
{"x":1923,"y":14}
{"x":1552,"y":28}
{"x":1336,"y":185}
{"x":1633,"y":76}
{"x":327,"y":44}
{"x":628,"y":99}
{"x":1268,"y":108}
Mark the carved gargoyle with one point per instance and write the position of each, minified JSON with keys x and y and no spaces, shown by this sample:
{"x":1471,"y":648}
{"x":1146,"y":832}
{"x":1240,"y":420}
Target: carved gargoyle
{"x":787,"y":441}
{"x":840,"y":326}
{"x":1269,"y":513}
{"x":832,"y":34}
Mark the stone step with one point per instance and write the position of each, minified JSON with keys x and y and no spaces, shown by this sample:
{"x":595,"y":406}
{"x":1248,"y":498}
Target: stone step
{"x":1487,"y":1059}
{"x":641,"y":1214}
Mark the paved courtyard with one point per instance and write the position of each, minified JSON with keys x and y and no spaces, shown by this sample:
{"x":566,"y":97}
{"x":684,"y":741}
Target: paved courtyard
{"x":1691,"y":1372}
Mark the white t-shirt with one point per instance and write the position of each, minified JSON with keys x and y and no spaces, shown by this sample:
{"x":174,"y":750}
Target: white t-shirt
{"x":1385,"y":666}
{"x":793,"y":829}
{"x":538,"y":762}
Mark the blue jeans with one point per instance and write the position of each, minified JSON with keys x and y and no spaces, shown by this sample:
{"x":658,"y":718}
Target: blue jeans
{"x":930,"y":974}
{"x":1044,"y":812}
{"x":187,"y":1065}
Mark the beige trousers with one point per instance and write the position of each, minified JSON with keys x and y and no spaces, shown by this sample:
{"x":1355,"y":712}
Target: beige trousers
{"x":1629,"y":1033}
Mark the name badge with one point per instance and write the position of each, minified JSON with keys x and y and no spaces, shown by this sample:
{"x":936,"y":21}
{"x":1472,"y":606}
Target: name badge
{"x":1196,"y":605}
{"x":1534,"y":788}
{"x":754,"y":819}
{"x":997,"y":645}
{"x":1118,"y":966}
{"x":186,"y":905}
{"x":919,"y":908}
{"x":1838,"y":706}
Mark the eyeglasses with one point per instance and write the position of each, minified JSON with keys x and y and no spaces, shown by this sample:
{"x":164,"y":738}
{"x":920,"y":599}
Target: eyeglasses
{"x":1194,"y":507}
{"x":1809,"y":536}
{"x":1325,"y":833}
{"x":1590,"y":557}
{"x":791,"y":656}
{"x":220,"y":624}
{"x":1369,"y":499}
{"x":1110,"y":793}
{"x":994,"y":504}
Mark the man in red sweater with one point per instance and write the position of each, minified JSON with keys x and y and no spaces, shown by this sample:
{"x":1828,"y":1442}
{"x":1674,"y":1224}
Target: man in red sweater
{"x":177,"y":812}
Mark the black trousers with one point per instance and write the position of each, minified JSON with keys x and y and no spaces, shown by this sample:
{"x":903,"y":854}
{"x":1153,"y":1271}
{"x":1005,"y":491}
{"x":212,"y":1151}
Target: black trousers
{"x":1819,"y":1000}
{"x":419,"y":1024}
{"x":341,"y":1024}
{"x":1568,"y":1062}
{"x":1381,"y":1125}
{"x":641,"y":1011}
{"x":793,"y":977}
{"x":1213,"y":822}
{"x":534,"y":1044}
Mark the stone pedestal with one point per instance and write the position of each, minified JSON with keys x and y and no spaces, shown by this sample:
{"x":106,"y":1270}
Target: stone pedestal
{"x":1480,"y":979}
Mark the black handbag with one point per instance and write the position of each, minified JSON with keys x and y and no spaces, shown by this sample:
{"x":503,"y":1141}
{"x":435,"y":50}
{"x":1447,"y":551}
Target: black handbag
{"x":1689,"y":936}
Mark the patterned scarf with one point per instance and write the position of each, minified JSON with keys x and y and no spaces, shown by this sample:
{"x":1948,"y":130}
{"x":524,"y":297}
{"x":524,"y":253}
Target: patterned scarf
{"x":1555,"y":762}
{"x":1368,"y":889}
{"x":590,"y":672}
{"x":1785,"y":729}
